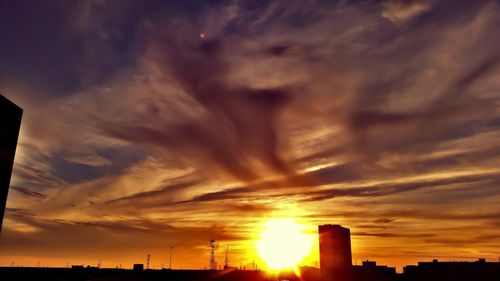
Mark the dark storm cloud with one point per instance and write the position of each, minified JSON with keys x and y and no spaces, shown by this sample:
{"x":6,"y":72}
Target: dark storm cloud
{"x":393,"y":235}
{"x":377,"y":190}
{"x":37,"y":177}
{"x":44,"y":37}
{"x":320,"y":177}
{"x":455,"y":113}
{"x":77,"y":44}
{"x":64,"y":238}
{"x":479,"y":240}
{"x":79,"y":167}
{"x":166,"y":190}
{"x":380,"y":115}
{"x":28,"y":192}
{"x":54,"y":226}
{"x":365,"y":119}
{"x":240,"y":122}
{"x":386,"y":217}
{"x":19,"y":213}
{"x":230,"y":193}
{"x":393,"y":188}
{"x":251,"y":208}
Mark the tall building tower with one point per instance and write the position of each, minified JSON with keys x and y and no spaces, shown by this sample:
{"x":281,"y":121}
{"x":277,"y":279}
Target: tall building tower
{"x":335,"y":253}
{"x":10,"y":122}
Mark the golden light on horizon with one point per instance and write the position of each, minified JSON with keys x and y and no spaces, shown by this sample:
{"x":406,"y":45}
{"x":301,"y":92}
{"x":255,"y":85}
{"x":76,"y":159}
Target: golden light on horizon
{"x":283,"y":244}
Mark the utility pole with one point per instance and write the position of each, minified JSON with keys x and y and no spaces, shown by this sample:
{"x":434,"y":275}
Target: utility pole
{"x":170,"y":264}
{"x":147,"y":261}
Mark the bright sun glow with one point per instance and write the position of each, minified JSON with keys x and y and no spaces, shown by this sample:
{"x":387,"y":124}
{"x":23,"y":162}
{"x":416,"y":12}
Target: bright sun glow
{"x":283,"y":244}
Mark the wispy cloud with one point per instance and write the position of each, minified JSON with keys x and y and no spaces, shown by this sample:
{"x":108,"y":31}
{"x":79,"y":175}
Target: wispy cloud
{"x":380,"y":115}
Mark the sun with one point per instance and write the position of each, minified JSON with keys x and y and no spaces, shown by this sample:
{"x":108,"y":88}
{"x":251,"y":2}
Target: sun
{"x":283,"y":244}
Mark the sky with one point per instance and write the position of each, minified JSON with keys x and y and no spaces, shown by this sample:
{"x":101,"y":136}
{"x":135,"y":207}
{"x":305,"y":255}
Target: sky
{"x":150,"y":124}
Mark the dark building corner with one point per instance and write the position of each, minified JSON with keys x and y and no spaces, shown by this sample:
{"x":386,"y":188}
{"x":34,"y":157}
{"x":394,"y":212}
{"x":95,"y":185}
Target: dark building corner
{"x":10,"y":122}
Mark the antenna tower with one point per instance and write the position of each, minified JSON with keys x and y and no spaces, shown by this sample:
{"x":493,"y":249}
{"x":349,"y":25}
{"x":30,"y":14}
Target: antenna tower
{"x":147,"y":261}
{"x":212,"y":265}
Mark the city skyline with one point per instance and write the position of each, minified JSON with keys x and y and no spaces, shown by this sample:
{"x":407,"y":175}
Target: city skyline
{"x":335,"y":259}
{"x":158,"y":124}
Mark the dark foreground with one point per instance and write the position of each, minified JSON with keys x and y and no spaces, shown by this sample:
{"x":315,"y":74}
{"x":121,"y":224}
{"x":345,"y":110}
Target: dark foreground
{"x":432,"y":271}
{"x":95,"y":274}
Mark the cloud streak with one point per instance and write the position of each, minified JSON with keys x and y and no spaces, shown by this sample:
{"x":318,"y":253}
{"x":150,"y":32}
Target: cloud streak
{"x":378,"y":115}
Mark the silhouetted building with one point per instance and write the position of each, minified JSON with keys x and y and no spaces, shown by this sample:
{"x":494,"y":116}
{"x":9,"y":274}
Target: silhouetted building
{"x":335,"y":252}
{"x":10,"y":122}
{"x":308,"y":273}
{"x":138,"y":266}
{"x":453,"y":271}
{"x":113,"y":274}
{"x":370,"y":271}
{"x":77,"y":266}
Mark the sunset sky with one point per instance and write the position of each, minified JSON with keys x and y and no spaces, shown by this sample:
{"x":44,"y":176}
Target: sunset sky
{"x":150,"y":124}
